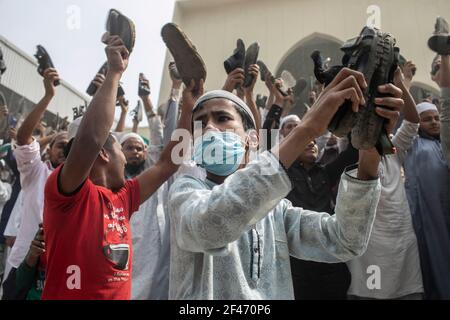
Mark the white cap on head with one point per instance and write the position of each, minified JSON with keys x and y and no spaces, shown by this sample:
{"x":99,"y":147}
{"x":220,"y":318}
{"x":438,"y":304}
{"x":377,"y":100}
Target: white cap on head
{"x":426,"y":106}
{"x":73,"y":128}
{"x":222,"y":94}
{"x":131,"y":135}
{"x":289,"y":118}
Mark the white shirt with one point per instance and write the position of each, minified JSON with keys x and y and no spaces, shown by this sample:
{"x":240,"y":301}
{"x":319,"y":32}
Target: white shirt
{"x":12,"y":228}
{"x":33,"y":176}
{"x":393,"y":245}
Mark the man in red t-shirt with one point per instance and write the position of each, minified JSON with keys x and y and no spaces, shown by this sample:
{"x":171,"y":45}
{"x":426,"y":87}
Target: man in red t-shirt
{"x":88,"y":203}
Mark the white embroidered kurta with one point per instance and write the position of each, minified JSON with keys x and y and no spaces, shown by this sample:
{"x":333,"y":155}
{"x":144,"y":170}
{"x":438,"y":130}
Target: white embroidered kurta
{"x":233,"y":241}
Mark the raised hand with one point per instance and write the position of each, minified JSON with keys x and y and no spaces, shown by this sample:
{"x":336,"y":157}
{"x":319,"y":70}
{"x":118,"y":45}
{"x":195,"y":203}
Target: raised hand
{"x":234,"y":79}
{"x":50,"y":76}
{"x":347,"y":85}
{"x":254,"y":71}
{"x":117,"y":54}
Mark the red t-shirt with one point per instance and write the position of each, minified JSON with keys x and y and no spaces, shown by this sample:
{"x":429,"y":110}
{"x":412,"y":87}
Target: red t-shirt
{"x":88,"y":241}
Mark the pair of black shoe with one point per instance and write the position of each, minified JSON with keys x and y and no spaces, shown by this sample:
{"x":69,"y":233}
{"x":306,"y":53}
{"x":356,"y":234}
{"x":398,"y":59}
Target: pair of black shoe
{"x":374,"y":54}
{"x":242,"y":58}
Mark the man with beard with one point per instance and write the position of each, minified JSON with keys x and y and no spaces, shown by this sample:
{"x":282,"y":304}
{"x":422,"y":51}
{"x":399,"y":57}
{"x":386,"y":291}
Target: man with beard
{"x":33,"y":176}
{"x":428,"y":186}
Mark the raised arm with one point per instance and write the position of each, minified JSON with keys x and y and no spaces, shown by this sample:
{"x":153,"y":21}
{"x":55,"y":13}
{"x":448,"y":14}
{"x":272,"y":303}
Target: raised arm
{"x":151,"y":179}
{"x":250,"y":97}
{"x":25,"y":132}
{"x":444,"y":84}
{"x":97,"y":121}
{"x":123,"y":114}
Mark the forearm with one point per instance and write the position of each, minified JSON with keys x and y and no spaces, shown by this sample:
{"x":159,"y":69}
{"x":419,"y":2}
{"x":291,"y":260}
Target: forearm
{"x":121,"y":124}
{"x":410,"y":110}
{"x":369,"y":162}
{"x":135,"y":127}
{"x":44,"y":141}
{"x":323,"y":238}
{"x":184,"y":123}
{"x":25,"y":132}
{"x":148,"y":105}
{"x":253,"y":107}
{"x":293,"y":145}
{"x":170,"y":120}
{"x":99,"y":117}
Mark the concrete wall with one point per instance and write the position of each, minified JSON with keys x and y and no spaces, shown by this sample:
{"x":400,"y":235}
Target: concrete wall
{"x":280,"y":25}
{"x":22,"y":78}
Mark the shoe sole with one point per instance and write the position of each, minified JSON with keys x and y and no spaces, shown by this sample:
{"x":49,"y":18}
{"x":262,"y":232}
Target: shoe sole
{"x":440,"y":44}
{"x":189,"y":63}
{"x":368,"y":130}
{"x":251,"y":57}
{"x":45,"y":62}
{"x":118,"y":24}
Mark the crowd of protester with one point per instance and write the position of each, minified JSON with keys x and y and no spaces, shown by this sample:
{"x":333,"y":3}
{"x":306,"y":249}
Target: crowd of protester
{"x":91,"y":212}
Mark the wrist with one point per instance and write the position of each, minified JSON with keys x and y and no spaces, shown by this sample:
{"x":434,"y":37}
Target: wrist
{"x":49,"y":95}
{"x":305,"y":133}
{"x":369,"y":161}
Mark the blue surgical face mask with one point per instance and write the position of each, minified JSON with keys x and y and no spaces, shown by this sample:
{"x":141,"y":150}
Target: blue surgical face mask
{"x":220,"y":153}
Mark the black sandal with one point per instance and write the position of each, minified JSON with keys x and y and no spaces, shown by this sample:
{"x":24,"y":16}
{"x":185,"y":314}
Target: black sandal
{"x":44,"y":62}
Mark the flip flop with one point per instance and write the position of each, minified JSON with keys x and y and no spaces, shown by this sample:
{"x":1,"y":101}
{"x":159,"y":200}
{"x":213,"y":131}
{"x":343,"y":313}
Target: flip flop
{"x":439,"y":42}
{"x":251,"y":57}
{"x":120,"y":25}
{"x":137,"y":112}
{"x":44,"y":62}
{"x":264,"y":71}
{"x":144,"y":89}
{"x":237,"y":59}
{"x":92,"y":88}
{"x":189,"y":63}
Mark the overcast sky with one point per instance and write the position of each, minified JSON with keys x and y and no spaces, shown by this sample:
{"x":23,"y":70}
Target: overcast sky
{"x":74,"y":44}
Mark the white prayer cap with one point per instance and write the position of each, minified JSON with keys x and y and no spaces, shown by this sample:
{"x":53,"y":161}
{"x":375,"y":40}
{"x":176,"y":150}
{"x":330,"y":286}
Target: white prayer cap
{"x":426,"y":106}
{"x":289,"y":118}
{"x":222,"y":94}
{"x":131,"y":135}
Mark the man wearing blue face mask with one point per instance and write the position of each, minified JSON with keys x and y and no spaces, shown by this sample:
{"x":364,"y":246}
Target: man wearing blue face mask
{"x":232,"y":234}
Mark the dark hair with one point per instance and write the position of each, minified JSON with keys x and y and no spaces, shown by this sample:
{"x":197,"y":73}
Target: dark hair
{"x":107,"y":146}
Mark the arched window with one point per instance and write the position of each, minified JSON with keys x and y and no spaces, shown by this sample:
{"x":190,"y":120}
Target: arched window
{"x":299,"y":63}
